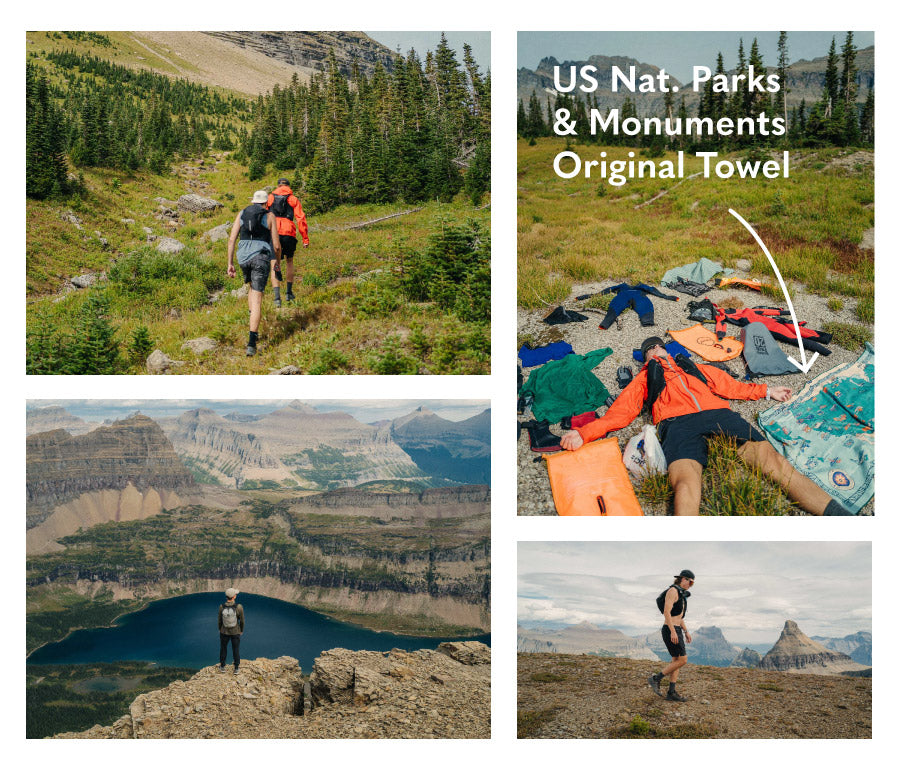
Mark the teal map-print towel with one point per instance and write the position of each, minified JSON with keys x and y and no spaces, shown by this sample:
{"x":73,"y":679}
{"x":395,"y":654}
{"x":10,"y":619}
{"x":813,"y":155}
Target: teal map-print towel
{"x":827,"y":431}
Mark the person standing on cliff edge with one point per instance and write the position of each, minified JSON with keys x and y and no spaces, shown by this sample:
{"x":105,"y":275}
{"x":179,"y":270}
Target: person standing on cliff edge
{"x":673,"y":602}
{"x":231,"y":625}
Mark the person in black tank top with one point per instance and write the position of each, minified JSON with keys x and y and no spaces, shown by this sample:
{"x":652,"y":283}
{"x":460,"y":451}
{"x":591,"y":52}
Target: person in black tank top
{"x":675,"y":634}
{"x":259,"y":253}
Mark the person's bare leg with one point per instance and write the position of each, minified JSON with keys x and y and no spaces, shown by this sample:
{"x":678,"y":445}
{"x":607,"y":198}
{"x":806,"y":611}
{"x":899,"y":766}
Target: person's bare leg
{"x":672,"y":669}
{"x":800,"y":489}
{"x":255,"y":303}
{"x":685,"y":477}
{"x":289,"y":271}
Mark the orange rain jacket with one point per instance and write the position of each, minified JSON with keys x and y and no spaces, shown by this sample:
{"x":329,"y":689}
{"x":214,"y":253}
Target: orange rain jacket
{"x":682,"y":394}
{"x":283,"y":224}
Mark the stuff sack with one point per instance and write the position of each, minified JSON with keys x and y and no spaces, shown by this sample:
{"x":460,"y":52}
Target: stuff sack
{"x":704,"y":343}
{"x":643,"y":454}
{"x":762,"y":354}
{"x":230,"y":617}
{"x":592,"y":481}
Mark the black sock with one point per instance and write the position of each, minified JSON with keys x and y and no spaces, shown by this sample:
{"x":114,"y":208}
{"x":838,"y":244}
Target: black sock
{"x":252,"y":340}
{"x":659,"y":676}
{"x":278,"y":293}
{"x":290,"y":287}
{"x":833,"y":508}
{"x":672,"y":687}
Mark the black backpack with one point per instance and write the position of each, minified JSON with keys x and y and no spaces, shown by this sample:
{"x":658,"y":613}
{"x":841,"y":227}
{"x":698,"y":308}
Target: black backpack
{"x":281,"y":208}
{"x":661,"y":598}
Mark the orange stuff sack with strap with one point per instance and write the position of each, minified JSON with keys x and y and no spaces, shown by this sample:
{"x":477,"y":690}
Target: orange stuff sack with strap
{"x":592,"y":481}
{"x":751,"y":284}
{"x":701,"y":341}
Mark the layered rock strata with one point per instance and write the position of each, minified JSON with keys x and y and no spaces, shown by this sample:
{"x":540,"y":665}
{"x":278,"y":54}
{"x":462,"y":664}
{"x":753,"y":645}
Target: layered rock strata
{"x":796,"y":652}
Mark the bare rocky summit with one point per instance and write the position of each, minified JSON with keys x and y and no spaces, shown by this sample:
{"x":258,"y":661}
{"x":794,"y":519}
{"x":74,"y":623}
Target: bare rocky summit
{"x":795,"y":651}
{"x":568,"y":696}
{"x":350,"y":694}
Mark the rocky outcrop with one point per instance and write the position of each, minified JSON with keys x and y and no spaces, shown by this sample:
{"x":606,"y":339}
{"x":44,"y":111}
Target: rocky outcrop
{"x":310,"y":50}
{"x":584,"y":638}
{"x":432,"y":502}
{"x":130,"y":458}
{"x":400,"y":694}
{"x":709,"y":647}
{"x":796,"y":652}
{"x":748,"y":658}
{"x":191,"y":202}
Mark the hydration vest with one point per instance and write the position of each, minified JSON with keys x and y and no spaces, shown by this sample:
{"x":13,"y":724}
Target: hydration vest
{"x":683,"y":599}
{"x":253,"y":224}
{"x":657,"y":382}
{"x":281,"y":208}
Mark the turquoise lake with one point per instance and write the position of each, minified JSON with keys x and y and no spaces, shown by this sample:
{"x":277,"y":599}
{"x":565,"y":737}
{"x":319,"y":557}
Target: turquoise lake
{"x":182,"y":632}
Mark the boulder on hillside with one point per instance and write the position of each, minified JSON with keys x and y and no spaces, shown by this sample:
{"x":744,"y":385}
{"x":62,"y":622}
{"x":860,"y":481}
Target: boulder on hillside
{"x":199,"y":345}
{"x":169,"y":246}
{"x":191,"y":202}
{"x":160,"y":364}
{"x":219,"y":233}
{"x":86,"y":280}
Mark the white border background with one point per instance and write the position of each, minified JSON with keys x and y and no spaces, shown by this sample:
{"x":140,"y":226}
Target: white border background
{"x":503,"y":21}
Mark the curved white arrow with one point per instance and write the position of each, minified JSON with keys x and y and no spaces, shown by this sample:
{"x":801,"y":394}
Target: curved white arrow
{"x":806,"y":363}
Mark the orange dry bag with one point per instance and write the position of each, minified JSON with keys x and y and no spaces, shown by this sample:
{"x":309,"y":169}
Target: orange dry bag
{"x":704,"y":343}
{"x":592,"y":481}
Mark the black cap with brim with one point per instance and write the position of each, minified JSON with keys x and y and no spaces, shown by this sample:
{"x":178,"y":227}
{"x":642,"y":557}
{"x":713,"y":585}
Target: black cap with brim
{"x":283,"y":181}
{"x":686,"y":574}
{"x":649,"y":343}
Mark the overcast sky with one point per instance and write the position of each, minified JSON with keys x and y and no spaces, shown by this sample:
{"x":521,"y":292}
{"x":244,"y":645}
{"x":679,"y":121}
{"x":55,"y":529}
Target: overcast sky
{"x":747,"y":589}
{"x":366,"y":411}
{"x":480,"y":42}
{"x":676,"y":52}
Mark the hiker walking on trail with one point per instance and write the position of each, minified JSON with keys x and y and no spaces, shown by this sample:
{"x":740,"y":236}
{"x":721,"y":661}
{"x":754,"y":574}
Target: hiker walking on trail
{"x":673,"y":602}
{"x":289,"y":220}
{"x":231,"y":625}
{"x":689,"y":404}
{"x":258,"y":254}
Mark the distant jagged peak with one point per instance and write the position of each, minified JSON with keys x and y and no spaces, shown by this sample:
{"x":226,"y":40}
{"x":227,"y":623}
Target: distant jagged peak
{"x":300,"y":407}
{"x":201,"y":415}
{"x":793,"y":640}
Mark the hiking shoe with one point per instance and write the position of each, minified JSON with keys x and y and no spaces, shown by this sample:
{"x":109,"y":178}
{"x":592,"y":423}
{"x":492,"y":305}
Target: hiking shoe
{"x":674,"y":696}
{"x":221,"y":668}
{"x":289,"y":297}
{"x":278,"y":303}
{"x":654,"y":683}
{"x":251,"y":350}
{"x":237,"y":670}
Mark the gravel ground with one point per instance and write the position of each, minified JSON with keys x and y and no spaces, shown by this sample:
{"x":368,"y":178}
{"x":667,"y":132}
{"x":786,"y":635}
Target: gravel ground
{"x":534,"y":492}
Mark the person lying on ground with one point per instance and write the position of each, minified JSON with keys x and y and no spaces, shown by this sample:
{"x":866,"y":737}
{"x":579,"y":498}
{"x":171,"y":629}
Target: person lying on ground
{"x":259,"y":253}
{"x":688,"y":407}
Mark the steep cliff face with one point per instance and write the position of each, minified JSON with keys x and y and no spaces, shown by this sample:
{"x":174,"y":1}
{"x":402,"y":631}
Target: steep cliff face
{"x":858,"y":646}
{"x":459,"y":501}
{"x":426,"y":693}
{"x":310,"y":50}
{"x":584,"y":638}
{"x":295,"y":445}
{"x":69,"y":479}
{"x":796,"y":652}
{"x":748,"y":658}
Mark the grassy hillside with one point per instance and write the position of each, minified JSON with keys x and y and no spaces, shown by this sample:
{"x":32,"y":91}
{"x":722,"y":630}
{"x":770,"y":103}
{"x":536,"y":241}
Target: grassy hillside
{"x":578,"y":230}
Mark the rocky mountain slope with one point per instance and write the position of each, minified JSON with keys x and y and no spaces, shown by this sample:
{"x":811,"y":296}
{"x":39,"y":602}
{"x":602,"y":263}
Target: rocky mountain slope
{"x":858,"y":646}
{"x":124,"y":471}
{"x":350,"y":694}
{"x":805,"y":80}
{"x":748,"y":658}
{"x":795,"y":652}
{"x":584,"y":638}
{"x":292,"y":446}
{"x":431,"y":503}
{"x":455,"y":450}
{"x":563,"y":695}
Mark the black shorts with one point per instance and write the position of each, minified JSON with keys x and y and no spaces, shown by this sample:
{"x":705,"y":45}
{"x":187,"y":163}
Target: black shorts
{"x":256,"y":272}
{"x":686,"y":435}
{"x":675,"y":649}
{"x":289,"y":245}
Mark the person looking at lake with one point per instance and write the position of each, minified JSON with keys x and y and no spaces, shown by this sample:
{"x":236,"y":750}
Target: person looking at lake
{"x":259,"y":254}
{"x":231,"y":626}
{"x":673,"y":602}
